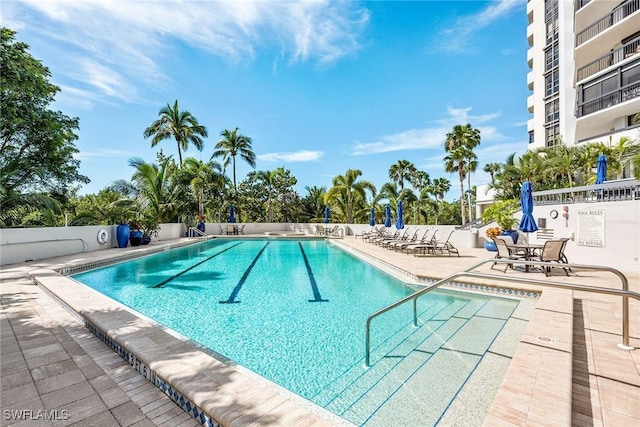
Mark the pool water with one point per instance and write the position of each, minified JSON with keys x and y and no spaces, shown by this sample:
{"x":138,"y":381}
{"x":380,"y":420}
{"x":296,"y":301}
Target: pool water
{"x":295,"y":312}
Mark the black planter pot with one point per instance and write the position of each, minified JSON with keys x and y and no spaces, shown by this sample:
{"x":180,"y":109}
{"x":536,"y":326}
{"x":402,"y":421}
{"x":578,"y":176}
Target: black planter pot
{"x":145,"y":240}
{"x":135,"y":237}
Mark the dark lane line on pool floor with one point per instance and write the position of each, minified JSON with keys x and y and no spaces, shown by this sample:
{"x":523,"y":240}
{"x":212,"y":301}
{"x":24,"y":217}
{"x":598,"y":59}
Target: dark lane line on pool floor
{"x":164,"y":282}
{"x":236,"y":290}
{"x":314,"y":285}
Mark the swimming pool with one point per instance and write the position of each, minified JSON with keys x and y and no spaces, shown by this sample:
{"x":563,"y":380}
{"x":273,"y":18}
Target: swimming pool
{"x":294,"y":312}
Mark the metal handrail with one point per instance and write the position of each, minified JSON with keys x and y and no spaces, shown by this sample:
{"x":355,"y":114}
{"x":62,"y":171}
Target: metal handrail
{"x":625,"y":292}
{"x":196,"y":231}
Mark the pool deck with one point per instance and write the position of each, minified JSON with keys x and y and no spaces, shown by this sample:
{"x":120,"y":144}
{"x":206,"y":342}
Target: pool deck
{"x":567,"y":368}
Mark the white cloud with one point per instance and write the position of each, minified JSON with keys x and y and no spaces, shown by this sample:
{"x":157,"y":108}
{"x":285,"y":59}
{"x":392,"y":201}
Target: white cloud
{"x":114,"y":46}
{"x":297,"y":156}
{"x":458,"y":35}
{"x":102,"y":153}
{"x":431,"y":137}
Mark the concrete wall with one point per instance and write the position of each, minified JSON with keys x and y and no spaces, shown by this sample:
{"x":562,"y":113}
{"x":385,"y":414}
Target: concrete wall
{"x":621,"y":248}
{"x":621,"y":235}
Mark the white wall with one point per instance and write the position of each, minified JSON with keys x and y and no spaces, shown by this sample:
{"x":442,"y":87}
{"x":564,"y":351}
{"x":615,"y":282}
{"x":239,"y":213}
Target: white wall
{"x":621,"y":232}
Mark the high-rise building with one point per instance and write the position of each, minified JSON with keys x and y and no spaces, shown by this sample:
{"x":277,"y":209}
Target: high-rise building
{"x":584,"y":57}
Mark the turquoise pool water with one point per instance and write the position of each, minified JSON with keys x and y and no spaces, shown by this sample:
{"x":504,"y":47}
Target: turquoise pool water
{"x":295,"y":312}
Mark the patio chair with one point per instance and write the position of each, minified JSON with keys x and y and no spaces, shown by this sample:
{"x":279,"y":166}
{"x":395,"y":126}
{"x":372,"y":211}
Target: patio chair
{"x":552,"y":252}
{"x":447,"y":246}
{"x":504,"y":253}
{"x":386,"y":236}
{"x":413,"y":241}
{"x":428,"y":245}
{"x":399,"y":244}
{"x":221,"y":230}
{"x":231,"y":229}
{"x":388,"y":243}
{"x":319,"y":230}
{"x":241,"y":229}
{"x":377,"y":233}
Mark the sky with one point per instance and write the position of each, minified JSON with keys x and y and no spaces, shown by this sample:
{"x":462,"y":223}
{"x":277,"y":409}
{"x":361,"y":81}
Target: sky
{"x":320,"y":86}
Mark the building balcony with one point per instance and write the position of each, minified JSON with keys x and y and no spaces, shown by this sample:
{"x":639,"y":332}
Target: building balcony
{"x":618,"y":55}
{"x":611,"y":99}
{"x":620,"y":13}
{"x":530,"y":79}
{"x":530,"y":102}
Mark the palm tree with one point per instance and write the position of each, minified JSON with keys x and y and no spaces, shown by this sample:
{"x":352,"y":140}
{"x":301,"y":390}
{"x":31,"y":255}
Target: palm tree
{"x":269,"y":179}
{"x":203,"y":179}
{"x":314,"y":202}
{"x":232,"y":144}
{"x":179,"y":125}
{"x":349,"y":189}
{"x":492,"y":169}
{"x":401,"y":171}
{"x":155,"y":193}
{"x":440,"y":187}
{"x":459,"y":145}
{"x":470,"y":167}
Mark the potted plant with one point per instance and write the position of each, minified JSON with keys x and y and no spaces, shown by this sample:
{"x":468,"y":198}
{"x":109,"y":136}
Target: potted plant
{"x":502,"y":213}
{"x":491,"y":233}
{"x":150,"y":227}
{"x":135,"y":235}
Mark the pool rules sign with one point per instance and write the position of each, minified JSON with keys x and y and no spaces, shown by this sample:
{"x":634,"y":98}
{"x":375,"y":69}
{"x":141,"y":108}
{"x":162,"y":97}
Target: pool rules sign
{"x":590,"y":228}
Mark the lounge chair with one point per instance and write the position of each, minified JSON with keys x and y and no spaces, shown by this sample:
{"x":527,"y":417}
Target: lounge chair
{"x":447,"y":246}
{"x":505,"y":253}
{"x":366,"y":234}
{"x":397,"y":245}
{"x":377,"y":233}
{"x":402,"y":246}
{"x":386,"y":236}
{"x":552,"y":252}
{"x":402,"y":238}
{"x":427,"y":245}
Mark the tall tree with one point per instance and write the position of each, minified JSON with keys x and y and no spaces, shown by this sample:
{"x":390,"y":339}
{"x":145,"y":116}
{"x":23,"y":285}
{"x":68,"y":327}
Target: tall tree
{"x":36,"y":143}
{"x":492,"y":169}
{"x":351,"y":189}
{"x":440,"y":187}
{"x":269,"y":179}
{"x":232,"y":144}
{"x":401,"y":171}
{"x":179,"y":125}
{"x":459,"y":145}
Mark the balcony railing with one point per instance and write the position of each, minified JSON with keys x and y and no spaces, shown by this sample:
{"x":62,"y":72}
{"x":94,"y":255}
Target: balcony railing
{"x":610,"y":99}
{"x":610,"y":191}
{"x":617,"y":15}
{"x":626,"y":51}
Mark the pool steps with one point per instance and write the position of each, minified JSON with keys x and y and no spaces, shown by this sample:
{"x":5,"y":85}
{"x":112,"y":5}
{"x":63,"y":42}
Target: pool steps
{"x":415,"y":359}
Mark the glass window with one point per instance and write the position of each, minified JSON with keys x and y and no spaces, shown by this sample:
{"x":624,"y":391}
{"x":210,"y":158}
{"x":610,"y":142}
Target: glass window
{"x":552,"y":110}
{"x":631,"y":75}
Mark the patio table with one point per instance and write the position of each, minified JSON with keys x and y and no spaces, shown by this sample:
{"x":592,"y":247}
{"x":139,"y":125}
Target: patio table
{"x":527,"y":249}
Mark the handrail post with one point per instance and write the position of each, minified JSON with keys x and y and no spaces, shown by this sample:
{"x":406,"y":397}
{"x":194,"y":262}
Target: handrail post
{"x":415,"y":312}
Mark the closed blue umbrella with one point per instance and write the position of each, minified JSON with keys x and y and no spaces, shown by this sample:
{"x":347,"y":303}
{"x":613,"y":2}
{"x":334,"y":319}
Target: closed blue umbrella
{"x":232,"y":214}
{"x":372,"y":217}
{"x":527,"y":223}
{"x":602,"y":169}
{"x":387,"y":216}
{"x":326,"y":214}
{"x":399,"y":220}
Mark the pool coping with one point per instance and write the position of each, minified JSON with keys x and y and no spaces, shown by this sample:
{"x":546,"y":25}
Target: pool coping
{"x":137,"y":349}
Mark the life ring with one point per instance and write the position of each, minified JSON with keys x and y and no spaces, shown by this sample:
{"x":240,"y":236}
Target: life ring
{"x":103,"y":236}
